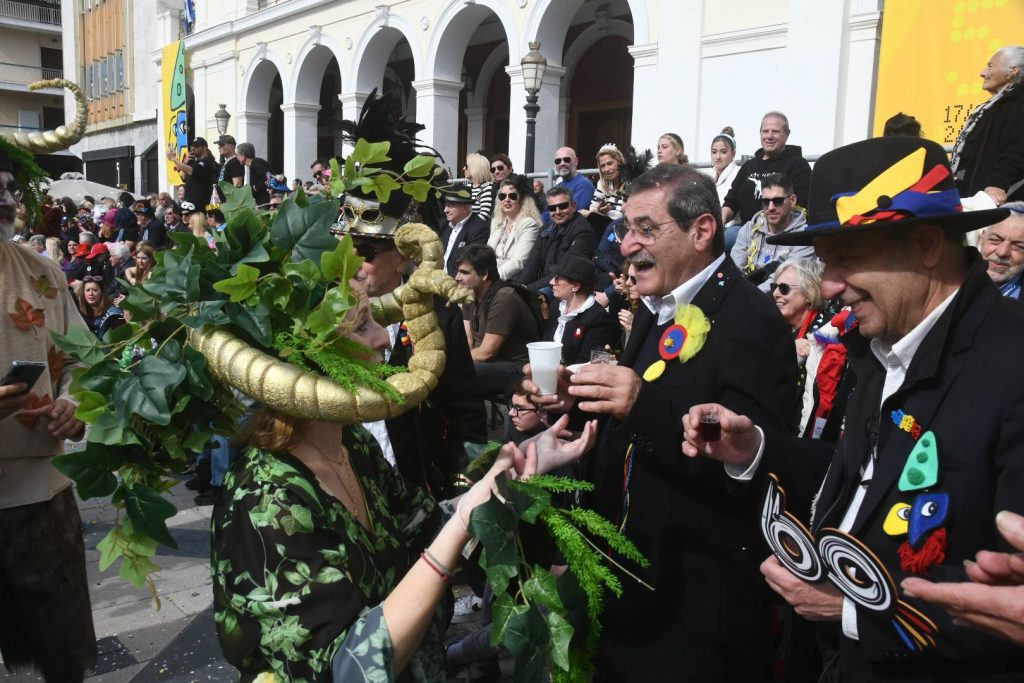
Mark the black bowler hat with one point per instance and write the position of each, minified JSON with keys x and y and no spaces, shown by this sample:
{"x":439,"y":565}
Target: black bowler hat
{"x":576,"y":269}
{"x":882,"y":184}
{"x":458,"y":193}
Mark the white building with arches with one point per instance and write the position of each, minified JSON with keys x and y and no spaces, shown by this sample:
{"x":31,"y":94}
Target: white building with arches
{"x":622,"y":71}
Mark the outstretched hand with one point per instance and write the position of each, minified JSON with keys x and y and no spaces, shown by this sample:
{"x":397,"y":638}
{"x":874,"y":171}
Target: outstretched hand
{"x":740,"y":440}
{"x":554,"y":448}
{"x":993,"y":600}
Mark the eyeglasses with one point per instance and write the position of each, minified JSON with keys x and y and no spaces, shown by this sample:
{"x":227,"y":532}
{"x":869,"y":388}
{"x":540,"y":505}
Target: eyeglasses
{"x":559,"y":207}
{"x":784,"y":289}
{"x":368,"y":253}
{"x":777,"y":201}
{"x":497,"y":167}
{"x":15,"y":190}
{"x":644,"y":234}
{"x":563,"y":160}
{"x":274,"y":205}
{"x":511,"y":196}
{"x":519,"y":410}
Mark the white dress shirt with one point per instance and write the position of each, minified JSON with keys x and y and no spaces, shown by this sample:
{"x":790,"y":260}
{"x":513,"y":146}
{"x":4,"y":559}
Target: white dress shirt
{"x":665,"y":306}
{"x":564,"y":317}
{"x":454,"y":238}
{"x":378,"y":428}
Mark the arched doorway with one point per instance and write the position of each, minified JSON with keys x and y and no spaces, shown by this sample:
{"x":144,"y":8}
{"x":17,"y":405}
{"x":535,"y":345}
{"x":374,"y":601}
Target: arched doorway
{"x":261,"y":122}
{"x":601,"y":99}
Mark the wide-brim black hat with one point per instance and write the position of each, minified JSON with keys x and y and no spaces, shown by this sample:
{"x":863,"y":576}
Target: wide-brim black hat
{"x":576,"y":269}
{"x":883,"y":184}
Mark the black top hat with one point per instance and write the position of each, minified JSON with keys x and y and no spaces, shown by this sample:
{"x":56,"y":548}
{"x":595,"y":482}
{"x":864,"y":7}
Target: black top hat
{"x":577,"y":269}
{"x":884,"y":183}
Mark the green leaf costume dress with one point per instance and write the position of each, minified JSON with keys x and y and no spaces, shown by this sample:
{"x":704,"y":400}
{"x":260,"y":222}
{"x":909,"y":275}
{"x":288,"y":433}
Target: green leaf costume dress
{"x":298,"y":581}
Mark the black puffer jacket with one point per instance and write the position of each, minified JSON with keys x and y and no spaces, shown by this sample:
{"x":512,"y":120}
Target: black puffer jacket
{"x":993,"y":154}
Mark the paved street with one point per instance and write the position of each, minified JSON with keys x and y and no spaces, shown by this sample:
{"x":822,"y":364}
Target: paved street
{"x":176,"y":642}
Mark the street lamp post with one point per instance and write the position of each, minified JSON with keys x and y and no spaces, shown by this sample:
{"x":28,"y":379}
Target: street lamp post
{"x":533,"y":64}
{"x":222,"y":117}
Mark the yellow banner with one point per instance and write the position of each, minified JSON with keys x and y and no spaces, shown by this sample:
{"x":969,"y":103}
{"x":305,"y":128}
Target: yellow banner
{"x":932,"y":52}
{"x":175,"y":114}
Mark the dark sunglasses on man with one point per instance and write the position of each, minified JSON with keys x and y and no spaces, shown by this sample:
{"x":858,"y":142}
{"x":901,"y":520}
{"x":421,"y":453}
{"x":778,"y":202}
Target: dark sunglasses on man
{"x":367,"y":252}
{"x":777,"y":201}
{"x":561,"y":206}
{"x":563,"y":160}
{"x":497,"y":168}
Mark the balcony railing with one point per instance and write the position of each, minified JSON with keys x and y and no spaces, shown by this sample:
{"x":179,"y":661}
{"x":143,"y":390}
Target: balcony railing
{"x":264,"y":4}
{"x":18,"y":129}
{"x":25,"y":74}
{"x":29,"y":12}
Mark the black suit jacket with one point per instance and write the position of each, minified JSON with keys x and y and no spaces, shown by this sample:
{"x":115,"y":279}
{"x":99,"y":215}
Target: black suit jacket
{"x":155,"y":233}
{"x":428,"y":440}
{"x":590,"y":330}
{"x":708,"y":617}
{"x":964,"y":385}
{"x":475,"y":231}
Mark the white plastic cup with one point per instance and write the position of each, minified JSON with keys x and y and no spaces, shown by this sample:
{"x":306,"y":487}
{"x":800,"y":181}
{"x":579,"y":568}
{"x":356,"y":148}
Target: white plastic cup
{"x":544,"y":359}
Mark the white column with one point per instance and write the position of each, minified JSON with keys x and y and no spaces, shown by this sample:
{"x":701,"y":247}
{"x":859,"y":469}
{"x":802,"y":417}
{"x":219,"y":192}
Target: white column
{"x":679,"y":69}
{"x":252,"y":127}
{"x":299,"y":137}
{"x":475,"y":128}
{"x":550,"y":131}
{"x":437,"y":107}
{"x":820,"y":23}
{"x":645,"y":92}
{"x":351,"y":105}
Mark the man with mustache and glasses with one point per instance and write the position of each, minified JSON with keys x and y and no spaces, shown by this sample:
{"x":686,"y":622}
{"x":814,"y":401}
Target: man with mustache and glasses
{"x":708,"y":615}
{"x":1002,"y":245}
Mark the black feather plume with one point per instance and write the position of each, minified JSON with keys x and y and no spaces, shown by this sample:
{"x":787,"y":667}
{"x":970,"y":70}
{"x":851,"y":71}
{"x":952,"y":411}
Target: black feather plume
{"x":636,"y":163}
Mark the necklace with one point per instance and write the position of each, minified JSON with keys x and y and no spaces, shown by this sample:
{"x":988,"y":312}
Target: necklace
{"x":358,"y":505}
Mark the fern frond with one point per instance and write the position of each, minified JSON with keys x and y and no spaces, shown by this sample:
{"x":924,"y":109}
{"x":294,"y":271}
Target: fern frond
{"x":556,"y":484}
{"x":601,"y":527}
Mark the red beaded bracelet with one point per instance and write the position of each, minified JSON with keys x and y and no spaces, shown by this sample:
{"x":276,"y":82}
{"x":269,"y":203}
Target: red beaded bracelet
{"x":440,"y":571}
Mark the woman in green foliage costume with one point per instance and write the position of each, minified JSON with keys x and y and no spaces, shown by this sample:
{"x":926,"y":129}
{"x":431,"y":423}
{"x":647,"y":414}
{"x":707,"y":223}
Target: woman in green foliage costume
{"x":317,"y":564}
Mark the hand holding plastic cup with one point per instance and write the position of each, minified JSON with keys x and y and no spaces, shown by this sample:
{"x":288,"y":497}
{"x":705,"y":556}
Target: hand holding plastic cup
{"x":544,"y":359}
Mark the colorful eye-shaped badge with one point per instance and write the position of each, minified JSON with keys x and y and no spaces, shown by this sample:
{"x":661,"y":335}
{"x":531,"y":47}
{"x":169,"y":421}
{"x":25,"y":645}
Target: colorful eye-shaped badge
{"x":897,"y":521}
{"x":929,"y":512}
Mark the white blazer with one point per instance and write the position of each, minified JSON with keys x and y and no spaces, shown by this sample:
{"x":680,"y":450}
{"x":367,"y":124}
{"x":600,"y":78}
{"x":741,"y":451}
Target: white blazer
{"x":513,"y":254}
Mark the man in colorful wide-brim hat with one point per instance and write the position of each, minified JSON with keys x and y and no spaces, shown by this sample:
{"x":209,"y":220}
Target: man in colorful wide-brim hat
{"x":44,"y":595}
{"x":934,"y":432}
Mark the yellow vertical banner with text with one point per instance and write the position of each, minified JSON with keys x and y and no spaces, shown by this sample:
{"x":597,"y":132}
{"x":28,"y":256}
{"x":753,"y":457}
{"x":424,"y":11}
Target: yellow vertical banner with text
{"x":174,"y":97}
{"x":932,"y":52}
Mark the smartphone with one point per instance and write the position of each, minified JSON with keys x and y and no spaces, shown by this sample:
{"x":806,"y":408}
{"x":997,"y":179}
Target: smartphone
{"x":23,"y":372}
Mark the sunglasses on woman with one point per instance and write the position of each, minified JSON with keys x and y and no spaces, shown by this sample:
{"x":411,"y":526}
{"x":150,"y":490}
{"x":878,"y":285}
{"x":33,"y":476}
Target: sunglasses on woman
{"x":783,"y":288}
{"x":92,"y":278}
{"x":511,"y":196}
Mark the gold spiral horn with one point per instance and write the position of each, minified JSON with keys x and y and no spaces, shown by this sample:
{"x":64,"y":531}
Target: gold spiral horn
{"x":44,"y":142}
{"x":289,"y":390}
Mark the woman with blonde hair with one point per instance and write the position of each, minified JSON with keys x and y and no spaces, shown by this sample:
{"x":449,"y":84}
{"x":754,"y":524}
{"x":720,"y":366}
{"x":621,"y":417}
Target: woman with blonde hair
{"x":515,"y":226}
{"x":671,"y":150}
{"x":53,"y":250}
{"x":478,"y":171}
{"x":610,"y":191}
{"x":145,"y":259}
{"x":197,"y":224}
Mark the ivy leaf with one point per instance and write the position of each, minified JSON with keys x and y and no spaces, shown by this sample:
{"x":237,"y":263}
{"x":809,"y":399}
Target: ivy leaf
{"x":494,"y":524}
{"x":306,"y":232}
{"x":342,"y":264}
{"x":542,"y":589}
{"x":276,"y":292}
{"x":417,"y":189}
{"x":109,"y":549}
{"x":195,"y":372}
{"x":136,"y":569}
{"x":206,"y":313}
{"x":241,"y":286}
{"x":90,"y":406}
{"x":148,"y":511}
{"x":90,"y":469}
{"x":236,"y":199}
{"x":325,"y":318}
{"x":527,"y":638}
{"x":145,"y":394}
{"x":140,"y":302}
{"x":254,"y":320}
{"x":368,"y":153}
{"x":301,"y":198}
{"x":503,"y":609}
{"x":101,"y":377}
{"x":186,"y":241}
{"x":106,"y":430}
{"x":80,"y":343}
{"x":244,"y":236}
{"x":181,"y":278}
{"x":561,"y":632}
{"x":525,"y":501}
{"x":382,"y":185}
{"x":419,"y":166}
